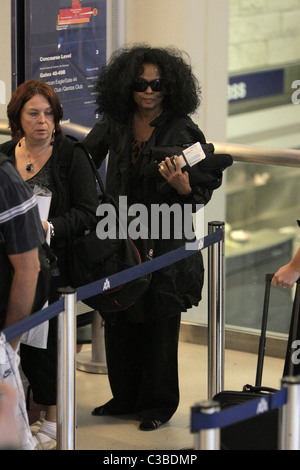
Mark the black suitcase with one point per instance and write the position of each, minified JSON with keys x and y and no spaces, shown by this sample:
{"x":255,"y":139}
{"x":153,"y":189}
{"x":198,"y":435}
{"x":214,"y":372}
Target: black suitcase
{"x":260,"y":432}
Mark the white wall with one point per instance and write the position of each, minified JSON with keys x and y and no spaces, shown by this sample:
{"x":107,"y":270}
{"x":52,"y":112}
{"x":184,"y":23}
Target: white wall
{"x":271,"y":127}
{"x":263,"y":33}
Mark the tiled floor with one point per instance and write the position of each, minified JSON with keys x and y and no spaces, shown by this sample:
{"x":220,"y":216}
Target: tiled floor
{"x":114,"y":433}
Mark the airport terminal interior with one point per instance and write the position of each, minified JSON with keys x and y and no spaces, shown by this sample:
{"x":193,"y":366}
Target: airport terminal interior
{"x":122,"y":433}
{"x":246,"y":56}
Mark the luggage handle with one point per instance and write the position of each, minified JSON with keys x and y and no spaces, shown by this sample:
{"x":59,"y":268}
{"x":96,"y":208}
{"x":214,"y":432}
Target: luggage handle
{"x":257,"y":389}
{"x":292,"y":334}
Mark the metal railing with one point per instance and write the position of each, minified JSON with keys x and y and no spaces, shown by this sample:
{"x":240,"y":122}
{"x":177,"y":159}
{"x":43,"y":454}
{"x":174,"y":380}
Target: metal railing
{"x":4,"y":129}
{"x":239,"y":152}
{"x":257,"y":154}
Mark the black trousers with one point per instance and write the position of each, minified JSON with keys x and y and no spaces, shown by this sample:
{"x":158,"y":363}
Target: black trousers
{"x":142,"y":362}
{"x":40,"y":367}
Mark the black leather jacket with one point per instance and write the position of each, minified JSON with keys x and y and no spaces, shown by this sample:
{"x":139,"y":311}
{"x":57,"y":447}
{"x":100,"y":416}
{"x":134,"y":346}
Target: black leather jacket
{"x":178,"y":286}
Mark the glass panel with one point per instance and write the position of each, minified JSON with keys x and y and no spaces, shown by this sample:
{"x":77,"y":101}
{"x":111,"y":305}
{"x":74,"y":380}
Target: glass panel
{"x":261,"y":236}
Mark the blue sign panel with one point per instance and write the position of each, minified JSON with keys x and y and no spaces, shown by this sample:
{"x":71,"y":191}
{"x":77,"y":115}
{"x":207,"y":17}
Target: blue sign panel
{"x":66,"y":47}
{"x":255,"y":85}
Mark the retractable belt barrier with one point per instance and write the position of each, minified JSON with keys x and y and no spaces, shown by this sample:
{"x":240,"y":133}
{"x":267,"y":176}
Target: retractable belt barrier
{"x":65,"y":308}
{"x":237,"y":413}
{"x":115,"y":280}
{"x":207,"y":419}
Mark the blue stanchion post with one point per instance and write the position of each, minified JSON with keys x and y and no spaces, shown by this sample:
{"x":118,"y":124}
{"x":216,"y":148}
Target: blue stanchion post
{"x":66,"y":376}
{"x":206,"y":439}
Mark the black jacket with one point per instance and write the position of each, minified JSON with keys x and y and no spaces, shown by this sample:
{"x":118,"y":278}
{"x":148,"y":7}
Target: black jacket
{"x":178,"y":286}
{"x":74,"y":196}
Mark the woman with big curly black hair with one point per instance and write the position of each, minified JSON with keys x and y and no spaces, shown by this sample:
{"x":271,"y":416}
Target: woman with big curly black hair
{"x":145,"y":95}
{"x":114,"y":87}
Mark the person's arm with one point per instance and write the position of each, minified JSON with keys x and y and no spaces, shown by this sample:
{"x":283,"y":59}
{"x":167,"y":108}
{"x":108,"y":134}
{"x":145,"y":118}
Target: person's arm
{"x":26,"y":268}
{"x":288,"y":274}
{"x":185,"y":130}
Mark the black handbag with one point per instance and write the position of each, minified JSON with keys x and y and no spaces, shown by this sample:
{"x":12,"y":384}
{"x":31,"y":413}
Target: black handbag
{"x":92,"y":259}
{"x":48,"y":271}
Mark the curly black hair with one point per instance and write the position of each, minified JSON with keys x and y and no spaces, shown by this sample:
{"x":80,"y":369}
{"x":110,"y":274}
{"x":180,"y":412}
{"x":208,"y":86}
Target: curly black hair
{"x":114,"y":85}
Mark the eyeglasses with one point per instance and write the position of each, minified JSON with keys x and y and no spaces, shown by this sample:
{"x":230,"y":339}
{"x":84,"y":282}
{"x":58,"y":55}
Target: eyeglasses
{"x":141,"y":84}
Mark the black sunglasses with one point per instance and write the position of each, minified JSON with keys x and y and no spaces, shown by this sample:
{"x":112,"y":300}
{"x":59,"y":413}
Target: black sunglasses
{"x":141,"y":84}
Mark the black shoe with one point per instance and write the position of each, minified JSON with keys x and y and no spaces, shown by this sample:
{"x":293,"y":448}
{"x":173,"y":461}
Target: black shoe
{"x":100,"y":411}
{"x":150,"y":424}
{"x":110,"y":410}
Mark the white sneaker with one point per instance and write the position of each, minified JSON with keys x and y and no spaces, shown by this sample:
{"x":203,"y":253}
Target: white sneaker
{"x":49,"y":444}
{"x":35,"y":427}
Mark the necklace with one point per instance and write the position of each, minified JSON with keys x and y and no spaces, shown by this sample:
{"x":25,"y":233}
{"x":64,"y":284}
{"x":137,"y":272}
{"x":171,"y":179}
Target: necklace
{"x":29,"y":165}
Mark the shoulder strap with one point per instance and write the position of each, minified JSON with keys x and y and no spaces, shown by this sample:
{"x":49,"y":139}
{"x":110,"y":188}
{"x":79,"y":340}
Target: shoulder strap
{"x":64,"y":154}
{"x":66,"y":151}
{"x":94,"y":168}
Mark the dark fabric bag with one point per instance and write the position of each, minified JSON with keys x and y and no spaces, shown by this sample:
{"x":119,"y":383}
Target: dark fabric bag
{"x":48,"y":268}
{"x":48,"y":271}
{"x":92,"y":259}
